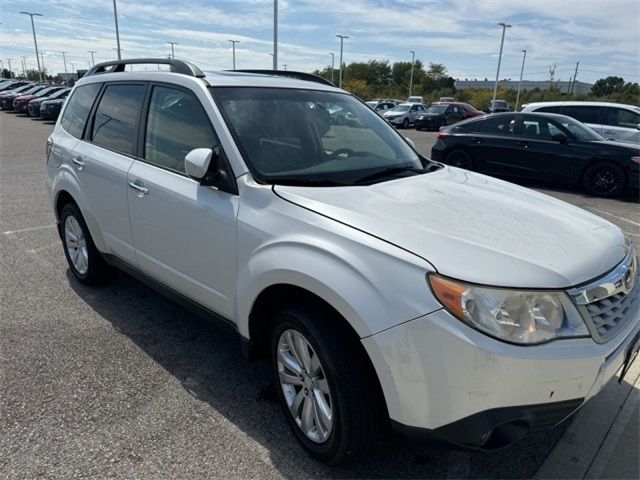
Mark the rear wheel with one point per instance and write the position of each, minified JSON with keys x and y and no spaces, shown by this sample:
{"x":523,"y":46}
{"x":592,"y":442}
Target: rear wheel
{"x":604,"y":179}
{"x":460,"y":159}
{"x":329,"y":395}
{"x":405,"y":123}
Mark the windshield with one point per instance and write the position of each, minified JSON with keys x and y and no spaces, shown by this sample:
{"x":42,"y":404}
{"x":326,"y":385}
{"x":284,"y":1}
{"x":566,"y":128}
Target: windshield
{"x":580,"y":130}
{"x":21,"y":89}
{"x":500,"y":103}
{"x":437,"y":108}
{"x":292,"y":137}
{"x":401,"y":108}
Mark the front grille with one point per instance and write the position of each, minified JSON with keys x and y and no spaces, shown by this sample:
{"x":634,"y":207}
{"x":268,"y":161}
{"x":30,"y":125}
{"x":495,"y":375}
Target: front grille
{"x":610,"y":314}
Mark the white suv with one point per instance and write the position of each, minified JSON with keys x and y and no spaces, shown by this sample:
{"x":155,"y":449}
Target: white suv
{"x":386,"y":289}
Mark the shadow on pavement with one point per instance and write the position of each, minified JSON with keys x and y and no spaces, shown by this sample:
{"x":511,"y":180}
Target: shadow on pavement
{"x":209,"y":365}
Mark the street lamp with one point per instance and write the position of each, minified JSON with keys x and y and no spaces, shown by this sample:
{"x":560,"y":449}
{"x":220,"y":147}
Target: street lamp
{"x":66,"y":75}
{"x":115,"y":16}
{"x":275,"y":34}
{"x":173,"y":55}
{"x":341,"y":37}
{"x":524,"y":57}
{"x":504,"y":29}
{"x":92,"y":59}
{"x":33,"y":28}
{"x":333,"y":62}
{"x":233,"y":43}
{"x":413,"y":60}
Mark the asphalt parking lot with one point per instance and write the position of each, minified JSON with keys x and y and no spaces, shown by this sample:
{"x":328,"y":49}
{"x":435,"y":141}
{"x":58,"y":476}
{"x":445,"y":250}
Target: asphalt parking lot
{"x":117,"y":382}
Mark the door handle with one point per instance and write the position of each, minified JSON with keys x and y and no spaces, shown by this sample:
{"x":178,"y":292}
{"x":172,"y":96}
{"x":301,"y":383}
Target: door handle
{"x":139,"y":188}
{"x":476,"y":139}
{"x":79,"y":163}
{"x":524,"y":144}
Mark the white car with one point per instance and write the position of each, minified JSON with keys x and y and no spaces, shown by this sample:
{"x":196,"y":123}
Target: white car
{"x":613,"y":121}
{"x":384,"y":287}
{"x":403,"y":115}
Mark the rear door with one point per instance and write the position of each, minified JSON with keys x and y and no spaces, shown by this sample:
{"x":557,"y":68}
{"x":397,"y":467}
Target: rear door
{"x":591,"y":115}
{"x":493,"y":146}
{"x":622,"y":124}
{"x":103,"y":159}
{"x":184,"y":233}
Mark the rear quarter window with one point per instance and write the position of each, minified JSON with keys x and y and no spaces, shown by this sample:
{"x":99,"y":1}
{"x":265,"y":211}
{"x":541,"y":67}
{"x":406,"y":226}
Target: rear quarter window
{"x":75,"y":115}
{"x":584,"y":114}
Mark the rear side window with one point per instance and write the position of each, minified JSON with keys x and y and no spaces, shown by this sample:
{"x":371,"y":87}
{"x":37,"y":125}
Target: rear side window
{"x":499,"y":125}
{"x":116,"y":121}
{"x":176,"y":124}
{"x":551,"y":109}
{"x":583,"y":114}
{"x":619,"y":117}
{"x":75,"y":115}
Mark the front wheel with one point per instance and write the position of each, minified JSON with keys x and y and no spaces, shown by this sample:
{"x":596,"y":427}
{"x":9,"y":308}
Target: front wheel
{"x":324,"y":385}
{"x":604,"y":179}
{"x":405,"y":123}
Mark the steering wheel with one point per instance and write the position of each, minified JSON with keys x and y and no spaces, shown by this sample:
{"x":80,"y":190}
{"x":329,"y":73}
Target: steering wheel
{"x":341,"y":151}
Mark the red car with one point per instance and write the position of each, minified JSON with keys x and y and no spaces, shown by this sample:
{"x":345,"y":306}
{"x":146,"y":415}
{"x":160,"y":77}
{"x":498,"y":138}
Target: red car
{"x":21,"y":102}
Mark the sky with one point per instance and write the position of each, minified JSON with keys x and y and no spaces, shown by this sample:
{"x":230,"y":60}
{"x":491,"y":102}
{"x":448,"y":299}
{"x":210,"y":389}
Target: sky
{"x":603,"y":35}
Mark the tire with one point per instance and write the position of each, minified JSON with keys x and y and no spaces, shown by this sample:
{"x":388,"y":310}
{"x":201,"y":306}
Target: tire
{"x":459,"y":158}
{"x":344,"y":382}
{"x":604,"y":179}
{"x":405,"y":123}
{"x":84,"y":260}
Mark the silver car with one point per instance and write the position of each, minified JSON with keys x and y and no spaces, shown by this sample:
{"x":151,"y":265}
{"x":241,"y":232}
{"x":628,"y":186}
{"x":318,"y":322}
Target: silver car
{"x":404,"y":114}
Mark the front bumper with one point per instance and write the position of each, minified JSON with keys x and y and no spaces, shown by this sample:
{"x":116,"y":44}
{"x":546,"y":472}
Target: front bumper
{"x":446,"y":381}
{"x":395,"y":120}
{"x":428,"y":123}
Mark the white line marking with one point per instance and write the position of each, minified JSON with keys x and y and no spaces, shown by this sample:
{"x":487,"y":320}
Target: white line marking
{"x":30,"y":229}
{"x":604,"y":212}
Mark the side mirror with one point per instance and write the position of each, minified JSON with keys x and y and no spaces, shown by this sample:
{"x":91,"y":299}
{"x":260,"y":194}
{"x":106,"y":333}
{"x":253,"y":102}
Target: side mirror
{"x":197,"y":161}
{"x":559,"y":137}
{"x":410,"y":142}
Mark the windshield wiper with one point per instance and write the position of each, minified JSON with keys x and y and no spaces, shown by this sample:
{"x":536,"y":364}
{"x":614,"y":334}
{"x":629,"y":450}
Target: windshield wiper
{"x":387,"y":172}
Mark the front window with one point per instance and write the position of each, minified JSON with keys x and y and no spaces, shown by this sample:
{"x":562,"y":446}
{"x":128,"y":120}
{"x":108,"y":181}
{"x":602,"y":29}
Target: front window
{"x":306,"y":137}
{"x":579,"y":130}
{"x":437,"y":109}
{"x":401,"y":108}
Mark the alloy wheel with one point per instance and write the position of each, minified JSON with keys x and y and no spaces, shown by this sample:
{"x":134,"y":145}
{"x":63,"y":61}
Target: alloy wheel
{"x":603,"y":180}
{"x":76,"y":245}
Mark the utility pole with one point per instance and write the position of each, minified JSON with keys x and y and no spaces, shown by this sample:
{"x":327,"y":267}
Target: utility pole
{"x":333,"y":62}
{"x":66,"y":75}
{"x":10,"y":71}
{"x":173,"y":55}
{"x":115,"y":16}
{"x":24,"y":66}
{"x":341,"y":37}
{"x":233,"y":44}
{"x":35,"y":42}
{"x":575,"y":75}
{"x":43,"y":69}
{"x":413,"y":60}
{"x":92,"y":59}
{"x":495,"y":87}
{"x":275,"y":34}
{"x":524,"y":57}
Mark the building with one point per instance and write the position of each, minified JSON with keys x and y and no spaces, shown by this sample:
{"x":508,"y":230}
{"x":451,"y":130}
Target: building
{"x":580,"y":88}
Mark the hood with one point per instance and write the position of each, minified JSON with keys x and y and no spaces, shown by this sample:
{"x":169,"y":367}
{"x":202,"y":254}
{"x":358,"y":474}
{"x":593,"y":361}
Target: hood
{"x":390,"y":113}
{"x":476,"y":228}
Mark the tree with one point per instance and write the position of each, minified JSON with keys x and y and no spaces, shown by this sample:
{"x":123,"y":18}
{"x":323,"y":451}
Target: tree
{"x":436,"y":71}
{"x":607,"y":86}
{"x":357,"y":87}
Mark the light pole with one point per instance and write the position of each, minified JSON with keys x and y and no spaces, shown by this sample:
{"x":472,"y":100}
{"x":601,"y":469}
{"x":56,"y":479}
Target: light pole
{"x":115,"y":16}
{"x":275,"y":34}
{"x":92,"y":59}
{"x":413,"y":60}
{"x":66,"y":75}
{"x":333,"y":62}
{"x":43,"y":69}
{"x":24,"y":67}
{"x":33,"y":28}
{"x":10,"y":71}
{"x":504,"y":29}
{"x":233,"y":44}
{"x":173,"y":54}
{"x":341,"y":37}
{"x":524,"y":57}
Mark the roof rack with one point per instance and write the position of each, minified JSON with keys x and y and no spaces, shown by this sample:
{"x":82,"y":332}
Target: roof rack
{"x":177,"y":66}
{"x":309,"y":77}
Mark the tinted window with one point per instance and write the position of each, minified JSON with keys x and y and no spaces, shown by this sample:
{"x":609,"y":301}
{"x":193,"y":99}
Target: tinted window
{"x":498,"y":125}
{"x":176,"y":124}
{"x":583,"y":114}
{"x":619,"y":117}
{"x":77,"y":111}
{"x":536,"y":128}
{"x":552,"y":109}
{"x":116,"y":118}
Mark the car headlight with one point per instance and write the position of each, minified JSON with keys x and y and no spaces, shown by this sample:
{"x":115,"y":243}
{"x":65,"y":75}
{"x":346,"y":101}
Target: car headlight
{"x":513,"y":315}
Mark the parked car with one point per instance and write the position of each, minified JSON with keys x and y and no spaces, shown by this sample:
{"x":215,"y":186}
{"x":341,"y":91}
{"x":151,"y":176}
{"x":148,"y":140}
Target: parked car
{"x":34,"y":105}
{"x":9,"y":97}
{"x":11,"y":85}
{"x":50,"y":109}
{"x":403,"y":115}
{"x":540,"y":146}
{"x":381,"y":106}
{"x":447,"y":99}
{"x":415,"y":99}
{"x":470,"y":111}
{"x":496,"y":106}
{"x":21,"y":102}
{"x":615,"y":121}
{"x":12,"y":93}
{"x":439,"y":114}
{"x":387,"y":289}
